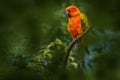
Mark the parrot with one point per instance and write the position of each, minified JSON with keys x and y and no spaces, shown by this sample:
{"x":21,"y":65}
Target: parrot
{"x":75,"y":18}
{"x":77,"y":23}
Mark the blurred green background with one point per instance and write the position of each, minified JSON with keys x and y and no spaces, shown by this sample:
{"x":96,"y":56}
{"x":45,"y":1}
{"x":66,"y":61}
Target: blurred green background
{"x":34,"y":38}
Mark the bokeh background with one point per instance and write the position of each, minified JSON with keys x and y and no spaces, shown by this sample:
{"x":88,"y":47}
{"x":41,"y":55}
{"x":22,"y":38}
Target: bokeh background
{"x":34,"y":38}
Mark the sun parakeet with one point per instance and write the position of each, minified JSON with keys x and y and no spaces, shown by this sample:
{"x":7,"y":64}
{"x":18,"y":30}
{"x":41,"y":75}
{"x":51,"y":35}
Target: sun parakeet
{"x":77,"y":23}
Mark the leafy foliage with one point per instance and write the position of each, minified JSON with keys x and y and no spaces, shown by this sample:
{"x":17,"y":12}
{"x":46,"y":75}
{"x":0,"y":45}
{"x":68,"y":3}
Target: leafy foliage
{"x":34,"y":39}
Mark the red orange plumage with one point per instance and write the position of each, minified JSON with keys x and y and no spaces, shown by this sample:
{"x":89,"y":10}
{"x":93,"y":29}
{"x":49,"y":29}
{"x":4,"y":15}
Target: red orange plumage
{"x":74,"y":21}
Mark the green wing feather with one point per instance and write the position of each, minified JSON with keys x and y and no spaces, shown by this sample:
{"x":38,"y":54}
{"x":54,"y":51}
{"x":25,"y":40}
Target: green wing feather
{"x":84,"y":21}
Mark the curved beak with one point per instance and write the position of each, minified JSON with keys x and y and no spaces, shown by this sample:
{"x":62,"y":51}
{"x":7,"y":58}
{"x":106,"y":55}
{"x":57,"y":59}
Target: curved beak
{"x":68,"y":14}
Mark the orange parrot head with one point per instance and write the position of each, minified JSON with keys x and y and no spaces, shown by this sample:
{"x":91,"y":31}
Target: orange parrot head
{"x":72,"y":11}
{"x":74,"y":21}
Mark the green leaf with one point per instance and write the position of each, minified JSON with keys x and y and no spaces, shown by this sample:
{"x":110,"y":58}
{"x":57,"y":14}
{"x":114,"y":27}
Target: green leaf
{"x":75,"y":65}
{"x":58,"y":42}
{"x":71,"y":58}
{"x":48,"y":55}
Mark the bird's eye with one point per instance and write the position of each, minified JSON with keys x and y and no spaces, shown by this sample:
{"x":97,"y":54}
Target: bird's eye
{"x":68,"y":10}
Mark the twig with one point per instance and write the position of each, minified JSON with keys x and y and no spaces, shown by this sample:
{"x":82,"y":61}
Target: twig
{"x":72,"y":44}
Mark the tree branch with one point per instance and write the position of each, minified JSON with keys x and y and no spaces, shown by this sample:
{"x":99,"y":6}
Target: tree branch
{"x":72,"y":44}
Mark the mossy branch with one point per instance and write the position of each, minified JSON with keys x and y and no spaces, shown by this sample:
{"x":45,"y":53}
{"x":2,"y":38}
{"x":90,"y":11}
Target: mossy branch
{"x":75,"y":40}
